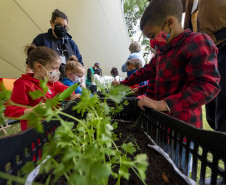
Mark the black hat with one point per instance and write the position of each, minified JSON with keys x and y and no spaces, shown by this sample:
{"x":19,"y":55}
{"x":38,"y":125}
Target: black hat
{"x":97,"y":64}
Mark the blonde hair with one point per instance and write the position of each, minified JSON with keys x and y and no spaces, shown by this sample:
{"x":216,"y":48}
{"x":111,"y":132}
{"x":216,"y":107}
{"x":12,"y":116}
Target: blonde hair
{"x":134,"y":47}
{"x":74,"y":66}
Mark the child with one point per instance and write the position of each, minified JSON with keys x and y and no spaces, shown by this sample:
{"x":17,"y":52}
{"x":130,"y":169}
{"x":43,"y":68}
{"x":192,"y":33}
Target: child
{"x":95,"y":77}
{"x":74,"y":72}
{"x":45,"y":63}
{"x":132,"y":65}
{"x":114,"y":73}
{"x":183,"y":74}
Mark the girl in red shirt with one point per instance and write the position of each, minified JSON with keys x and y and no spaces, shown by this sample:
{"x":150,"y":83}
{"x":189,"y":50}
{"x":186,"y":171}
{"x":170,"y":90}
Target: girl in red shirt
{"x":45,"y":63}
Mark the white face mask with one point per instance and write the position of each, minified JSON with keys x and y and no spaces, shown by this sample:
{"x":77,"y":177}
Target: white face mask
{"x":52,"y":76}
{"x":78,"y":79}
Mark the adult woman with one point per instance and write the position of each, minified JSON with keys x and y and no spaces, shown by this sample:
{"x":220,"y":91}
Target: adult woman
{"x":135,"y":50}
{"x":58,"y":39}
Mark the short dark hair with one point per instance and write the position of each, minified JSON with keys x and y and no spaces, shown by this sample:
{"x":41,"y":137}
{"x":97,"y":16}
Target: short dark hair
{"x":158,"y":10}
{"x":57,"y":13}
{"x":98,"y":71}
{"x":114,"y":71}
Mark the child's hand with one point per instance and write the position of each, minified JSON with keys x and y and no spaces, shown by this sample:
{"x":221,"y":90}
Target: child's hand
{"x":29,"y":110}
{"x":115,"y":82}
{"x":83,"y":85}
{"x":150,"y":103}
{"x":74,"y":96}
{"x":136,"y":91}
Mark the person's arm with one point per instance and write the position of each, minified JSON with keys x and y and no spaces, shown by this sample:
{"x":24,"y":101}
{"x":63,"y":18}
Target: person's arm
{"x":146,"y":73}
{"x":202,"y":74}
{"x":19,"y":96}
{"x":77,"y":53}
{"x":89,"y":74}
{"x":101,"y":74}
{"x":38,"y":41}
{"x":142,"y":89}
{"x":60,"y":87}
{"x":124,"y":68}
{"x":67,"y":82}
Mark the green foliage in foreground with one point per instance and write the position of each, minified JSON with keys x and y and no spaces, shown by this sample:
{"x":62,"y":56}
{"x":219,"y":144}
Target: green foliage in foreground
{"x":84,"y":150}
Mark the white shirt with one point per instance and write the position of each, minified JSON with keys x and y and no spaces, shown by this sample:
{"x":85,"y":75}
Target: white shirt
{"x":117,"y":78}
{"x":98,"y":78}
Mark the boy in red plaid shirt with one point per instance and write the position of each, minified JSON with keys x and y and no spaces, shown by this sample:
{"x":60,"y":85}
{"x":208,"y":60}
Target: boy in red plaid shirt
{"x":183,"y":75}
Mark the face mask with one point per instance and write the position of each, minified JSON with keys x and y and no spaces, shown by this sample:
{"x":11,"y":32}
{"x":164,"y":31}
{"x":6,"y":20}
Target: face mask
{"x":77,"y":79}
{"x":52,"y":76}
{"x":129,"y":73}
{"x":60,"y":31}
{"x":160,"y":41}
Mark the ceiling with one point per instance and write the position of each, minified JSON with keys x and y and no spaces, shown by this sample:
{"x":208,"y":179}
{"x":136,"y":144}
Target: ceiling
{"x":97,"y":27}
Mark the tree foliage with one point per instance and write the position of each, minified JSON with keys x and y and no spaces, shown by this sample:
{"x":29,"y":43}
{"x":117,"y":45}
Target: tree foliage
{"x":133,"y":10}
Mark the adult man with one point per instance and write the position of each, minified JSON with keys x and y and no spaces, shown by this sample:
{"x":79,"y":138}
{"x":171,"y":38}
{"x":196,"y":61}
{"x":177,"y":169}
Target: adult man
{"x":209,"y":16}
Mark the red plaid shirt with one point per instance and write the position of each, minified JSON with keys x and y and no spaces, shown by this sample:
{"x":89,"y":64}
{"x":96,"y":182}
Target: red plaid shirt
{"x":185,"y":75}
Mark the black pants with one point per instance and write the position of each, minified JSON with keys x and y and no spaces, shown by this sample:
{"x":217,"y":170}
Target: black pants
{"x":216,"y":109}
{"x":93,"y":88}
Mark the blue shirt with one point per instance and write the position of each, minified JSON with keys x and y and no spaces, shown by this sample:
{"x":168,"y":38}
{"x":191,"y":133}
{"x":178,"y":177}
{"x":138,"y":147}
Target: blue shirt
{"x":133,"y":55}
{"x":69,"y":83}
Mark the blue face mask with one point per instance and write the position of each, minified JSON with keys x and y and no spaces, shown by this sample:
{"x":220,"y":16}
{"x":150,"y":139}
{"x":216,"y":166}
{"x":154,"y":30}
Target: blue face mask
{"x":129,"y":73}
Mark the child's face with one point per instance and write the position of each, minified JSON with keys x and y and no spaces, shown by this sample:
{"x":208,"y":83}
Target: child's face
{"x":73,"y":76}
{"x":152,"y":31}
{"x":131,"y":67}
{"x":53,"y":66}
{"x":50,"y":70}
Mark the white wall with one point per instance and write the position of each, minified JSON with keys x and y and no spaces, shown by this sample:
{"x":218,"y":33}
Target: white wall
{"x":97,"y":27}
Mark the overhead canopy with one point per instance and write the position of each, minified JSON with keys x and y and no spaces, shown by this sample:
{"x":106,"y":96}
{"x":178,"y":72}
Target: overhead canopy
{"x":97,"y":27}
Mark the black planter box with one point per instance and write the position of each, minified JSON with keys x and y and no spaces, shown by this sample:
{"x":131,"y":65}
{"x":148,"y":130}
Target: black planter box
{"x":164,"y":130}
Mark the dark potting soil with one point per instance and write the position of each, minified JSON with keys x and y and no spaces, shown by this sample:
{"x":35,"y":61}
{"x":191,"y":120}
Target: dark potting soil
{"x":159,"y":171}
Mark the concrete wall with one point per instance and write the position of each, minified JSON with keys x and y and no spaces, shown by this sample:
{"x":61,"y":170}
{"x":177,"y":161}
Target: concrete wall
{"x":97,"y":27}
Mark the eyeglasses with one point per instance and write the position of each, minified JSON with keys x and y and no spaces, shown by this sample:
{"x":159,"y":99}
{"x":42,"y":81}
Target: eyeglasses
{"x":58,"y":24}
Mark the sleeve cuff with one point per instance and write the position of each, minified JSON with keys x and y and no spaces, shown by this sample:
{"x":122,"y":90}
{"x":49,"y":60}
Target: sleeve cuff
{"x":168,"y":107}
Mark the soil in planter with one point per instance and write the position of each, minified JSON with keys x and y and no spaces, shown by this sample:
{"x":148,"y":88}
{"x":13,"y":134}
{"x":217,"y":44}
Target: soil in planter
{"x":159,"y":171}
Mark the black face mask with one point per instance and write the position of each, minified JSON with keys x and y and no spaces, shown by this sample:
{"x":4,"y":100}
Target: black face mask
{"x":60,"y":31}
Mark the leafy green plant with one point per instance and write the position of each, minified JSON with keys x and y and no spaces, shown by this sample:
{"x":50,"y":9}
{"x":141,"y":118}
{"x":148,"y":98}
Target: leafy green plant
{"x":4,"y":96}
{"x":84,"y":150}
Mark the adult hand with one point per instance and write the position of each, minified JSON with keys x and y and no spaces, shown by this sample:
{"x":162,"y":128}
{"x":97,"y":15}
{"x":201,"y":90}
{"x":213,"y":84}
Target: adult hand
{"x":150,"y":103}
{"x":115,"y":82}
